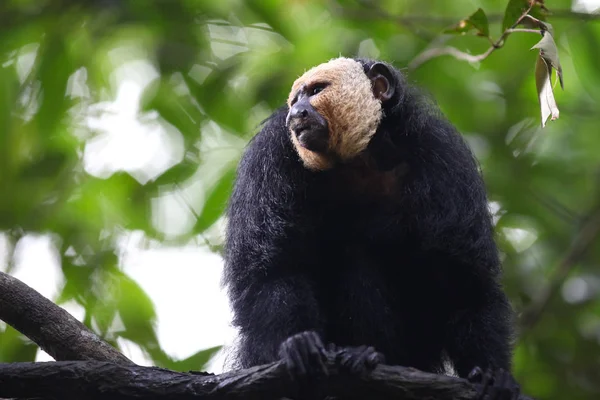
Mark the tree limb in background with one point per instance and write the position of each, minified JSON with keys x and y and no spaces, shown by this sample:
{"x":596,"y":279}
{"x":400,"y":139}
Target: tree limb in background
{"x":51,"y":327}
{"x":581,"y":244}
{"x":370,"y":14}
{"x":101,"y":380}
{"x":429,"y":54}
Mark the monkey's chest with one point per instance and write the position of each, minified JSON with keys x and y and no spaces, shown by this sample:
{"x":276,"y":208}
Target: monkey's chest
{"x":349,"y":225}
{"x":363,"y":185}
{"x":387,"y":303}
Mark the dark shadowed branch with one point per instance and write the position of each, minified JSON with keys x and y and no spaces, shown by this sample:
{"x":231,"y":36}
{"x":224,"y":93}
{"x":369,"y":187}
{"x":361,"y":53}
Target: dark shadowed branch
{"x":113,"y":376}
{"x":101,"y":380}
{"x":51,"y":327}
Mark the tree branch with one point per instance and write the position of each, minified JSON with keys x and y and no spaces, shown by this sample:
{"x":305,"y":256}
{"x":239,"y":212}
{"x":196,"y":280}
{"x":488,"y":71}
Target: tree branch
{"x":116,"y":377}
{"x":460,"y":55}
{"x":582,"y":16}
{"x":371,"y":11}
{"x":515,"y":30}
{"x":581,"y":244}
{"x":101,"y":380}
{"x":428,"y":54}
{"x":367,"y":13}
{"x":51,"y":327}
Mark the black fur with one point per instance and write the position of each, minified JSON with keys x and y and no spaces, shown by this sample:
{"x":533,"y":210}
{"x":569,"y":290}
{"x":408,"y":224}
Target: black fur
{"x":414,"y":273}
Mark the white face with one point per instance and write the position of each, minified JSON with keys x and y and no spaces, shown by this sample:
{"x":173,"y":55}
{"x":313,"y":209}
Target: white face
{"x":347,"y":104}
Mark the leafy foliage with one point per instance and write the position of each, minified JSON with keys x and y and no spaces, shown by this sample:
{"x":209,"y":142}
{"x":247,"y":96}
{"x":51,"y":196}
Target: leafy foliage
{"x":478,"y":21}
{"x":107,"y":108}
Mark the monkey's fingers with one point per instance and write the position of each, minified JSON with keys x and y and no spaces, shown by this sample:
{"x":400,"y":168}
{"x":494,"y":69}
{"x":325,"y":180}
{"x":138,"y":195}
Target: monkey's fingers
{"x":293,"y":361}
{"x":494,"y":384}
{"x":359,"y":360}
{"x":304,"y":355}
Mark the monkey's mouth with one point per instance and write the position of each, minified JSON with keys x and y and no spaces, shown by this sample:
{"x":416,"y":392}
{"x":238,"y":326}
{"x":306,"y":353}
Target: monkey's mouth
{"x":313,"y":137}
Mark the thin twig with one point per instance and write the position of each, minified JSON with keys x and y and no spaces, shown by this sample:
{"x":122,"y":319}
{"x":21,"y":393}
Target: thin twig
{"x":368,"y":14}
{"x":461,"y":55}
{"x":448,"y":51}
{"x":538,"y":31}
{"x":568,"y":14}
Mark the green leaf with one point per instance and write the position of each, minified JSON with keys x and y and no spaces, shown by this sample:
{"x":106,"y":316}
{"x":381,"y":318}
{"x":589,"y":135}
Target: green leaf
{"x":16,"y":347}
{"x":270,"y":11}
{"x":174,"y":107}
{"x":44,"y":167}
{"x":478,"y":21}
{"x":78,"y":281}
{"x":135,"y":306}
{"x":216,"y":202}
{"x":539,"y":10}
{"x":8,"y":94}
{"x":219,"y":107}
{"x":196,"y":362}
{"x":54,"y":71}
{"x":178,"y":173}
{"x":514,"y":11}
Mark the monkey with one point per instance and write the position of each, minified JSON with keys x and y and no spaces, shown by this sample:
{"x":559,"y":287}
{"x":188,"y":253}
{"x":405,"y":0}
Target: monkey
{"x":359,"y":217}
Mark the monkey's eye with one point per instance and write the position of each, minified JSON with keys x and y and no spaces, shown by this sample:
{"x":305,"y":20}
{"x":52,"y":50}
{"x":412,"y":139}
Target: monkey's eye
{"x":294,"y":100}
{"x":316,"y":89}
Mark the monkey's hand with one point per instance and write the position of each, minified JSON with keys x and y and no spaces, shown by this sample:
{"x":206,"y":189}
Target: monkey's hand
{"x":304,"y":355}
{"x":357,"y":360}
{"x":494,"y":384}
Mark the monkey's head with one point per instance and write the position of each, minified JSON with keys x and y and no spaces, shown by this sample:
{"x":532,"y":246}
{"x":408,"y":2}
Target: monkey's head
{"x":335,"y":109}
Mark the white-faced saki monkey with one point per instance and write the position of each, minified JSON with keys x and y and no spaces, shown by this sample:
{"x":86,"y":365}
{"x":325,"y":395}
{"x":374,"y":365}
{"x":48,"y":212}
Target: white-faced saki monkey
{"x":359,"y":217}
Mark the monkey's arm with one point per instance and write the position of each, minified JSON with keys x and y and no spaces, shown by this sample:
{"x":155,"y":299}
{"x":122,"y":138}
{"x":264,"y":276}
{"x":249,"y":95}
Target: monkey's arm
{"x":445,"y":200}
{"x":267,"y":254}
{"x":448,"y":212}
{"x":480,"y":335}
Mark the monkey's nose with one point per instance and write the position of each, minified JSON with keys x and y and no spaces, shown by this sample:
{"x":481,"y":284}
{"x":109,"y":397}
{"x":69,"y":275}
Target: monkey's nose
{"x":296,"y":113}
{"x":299,"y":112}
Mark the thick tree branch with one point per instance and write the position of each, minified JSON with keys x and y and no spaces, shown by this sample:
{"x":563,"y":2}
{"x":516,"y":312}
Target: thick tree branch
{"x":101,"y":380}
{"x":51,"y":327}
{"x":113,"y":376}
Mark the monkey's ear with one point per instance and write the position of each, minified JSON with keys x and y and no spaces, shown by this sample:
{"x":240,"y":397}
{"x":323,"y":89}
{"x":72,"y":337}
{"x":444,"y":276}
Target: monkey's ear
{"x":382,"y":80}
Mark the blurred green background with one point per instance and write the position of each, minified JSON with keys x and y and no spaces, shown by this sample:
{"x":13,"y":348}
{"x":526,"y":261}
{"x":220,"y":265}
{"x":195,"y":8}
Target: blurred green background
{"x":121,"y":123}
